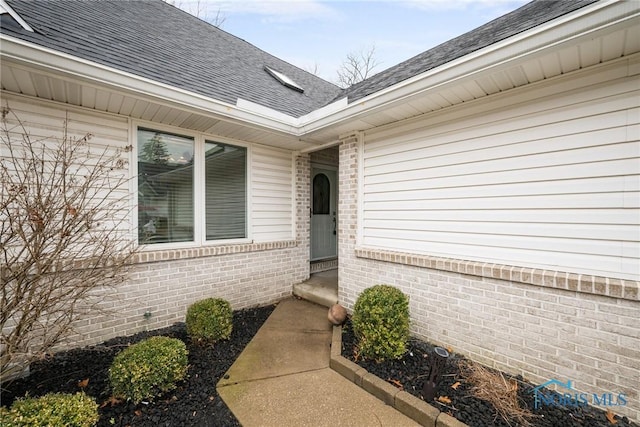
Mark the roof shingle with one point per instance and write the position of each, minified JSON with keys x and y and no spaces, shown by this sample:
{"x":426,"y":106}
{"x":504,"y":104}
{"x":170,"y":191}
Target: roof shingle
{"x":153,"y":39}
{"x":524,"y":18}
{"x":156,"y":40}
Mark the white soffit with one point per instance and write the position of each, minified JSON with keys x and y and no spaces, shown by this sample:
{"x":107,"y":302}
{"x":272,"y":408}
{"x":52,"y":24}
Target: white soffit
{"x":590,"y":21}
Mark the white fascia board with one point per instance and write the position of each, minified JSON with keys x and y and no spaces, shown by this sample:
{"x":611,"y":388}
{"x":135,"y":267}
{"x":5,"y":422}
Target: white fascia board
{"x":587,"y":20}
{"x":295,"y":123}
{"x":5,"y":8}
{"x":267,"y":113}
{"x":88,"y":71}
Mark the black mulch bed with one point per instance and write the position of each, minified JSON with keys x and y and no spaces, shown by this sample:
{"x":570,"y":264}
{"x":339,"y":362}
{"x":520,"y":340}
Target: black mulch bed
{"x":194,"y":403}
{"x":409,"y":373}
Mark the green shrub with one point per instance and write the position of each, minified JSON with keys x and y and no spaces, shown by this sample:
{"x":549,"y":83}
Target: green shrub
{"x":53,"y":409}
{"x":381,"y":322}
{"x":148,"y":369}
{"x":209,"y":320}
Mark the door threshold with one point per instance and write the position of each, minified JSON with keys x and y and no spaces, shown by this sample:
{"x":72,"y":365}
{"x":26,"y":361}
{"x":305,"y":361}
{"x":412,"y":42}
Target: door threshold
{"x":323,"y":265}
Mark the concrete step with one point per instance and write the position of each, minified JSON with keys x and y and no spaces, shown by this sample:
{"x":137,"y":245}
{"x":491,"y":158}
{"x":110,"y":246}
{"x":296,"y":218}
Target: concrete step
{"x":320,"y":288}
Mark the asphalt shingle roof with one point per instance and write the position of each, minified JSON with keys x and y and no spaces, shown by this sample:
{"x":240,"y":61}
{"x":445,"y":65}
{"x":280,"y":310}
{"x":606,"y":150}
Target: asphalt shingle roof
{"x":153,"y":39}
{"x":524,"y":18}
{"x":158,"y":41}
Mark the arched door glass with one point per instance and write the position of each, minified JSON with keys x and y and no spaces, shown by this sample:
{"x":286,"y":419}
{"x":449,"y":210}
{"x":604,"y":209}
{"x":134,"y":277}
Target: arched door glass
{"x":321,"y":194}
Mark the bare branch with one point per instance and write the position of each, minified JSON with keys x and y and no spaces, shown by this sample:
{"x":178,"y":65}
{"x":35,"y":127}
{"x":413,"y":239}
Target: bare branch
{"x":313,"y":69}
{"x":357,"y":66}
{"x":201,"y":9}
{"x":64,"y":237}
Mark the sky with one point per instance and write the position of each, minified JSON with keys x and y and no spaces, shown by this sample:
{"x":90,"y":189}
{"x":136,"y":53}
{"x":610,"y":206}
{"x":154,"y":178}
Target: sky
{"x":317,"y":35}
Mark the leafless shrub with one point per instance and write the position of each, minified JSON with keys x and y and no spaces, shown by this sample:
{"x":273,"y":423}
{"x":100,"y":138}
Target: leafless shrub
{"x":64,"y":237}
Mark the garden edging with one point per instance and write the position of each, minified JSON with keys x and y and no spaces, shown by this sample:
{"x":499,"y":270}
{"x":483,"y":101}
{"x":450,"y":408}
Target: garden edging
{"x":406,"y":403}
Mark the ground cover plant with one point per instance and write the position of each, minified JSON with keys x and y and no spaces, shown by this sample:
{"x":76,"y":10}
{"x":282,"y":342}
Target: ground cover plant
{"x":194,"y":401}
{"x":469,"y":391}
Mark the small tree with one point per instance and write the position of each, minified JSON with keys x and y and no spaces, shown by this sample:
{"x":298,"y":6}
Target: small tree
{"x":155,"y":151}
{"x":64,"y":236}
{"x":357,"y":66}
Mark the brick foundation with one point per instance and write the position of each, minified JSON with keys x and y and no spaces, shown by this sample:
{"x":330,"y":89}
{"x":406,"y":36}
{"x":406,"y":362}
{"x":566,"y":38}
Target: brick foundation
{"x":540,"y":324}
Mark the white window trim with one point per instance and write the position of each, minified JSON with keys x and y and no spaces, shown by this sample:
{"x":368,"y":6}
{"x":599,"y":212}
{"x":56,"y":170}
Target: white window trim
{"x":199,"y":139}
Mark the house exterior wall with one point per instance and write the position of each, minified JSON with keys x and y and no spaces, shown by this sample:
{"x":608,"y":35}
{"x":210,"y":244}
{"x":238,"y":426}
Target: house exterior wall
{"x":272,"y":198}
{"x":164,"y":282}
{"x":548,"y":179}
{"x":569,"y":152}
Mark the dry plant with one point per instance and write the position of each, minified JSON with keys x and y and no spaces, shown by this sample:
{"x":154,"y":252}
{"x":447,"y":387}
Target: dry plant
{"x":64,"y":236}
{"x":356,"y":67}
{"x":501,"y":393}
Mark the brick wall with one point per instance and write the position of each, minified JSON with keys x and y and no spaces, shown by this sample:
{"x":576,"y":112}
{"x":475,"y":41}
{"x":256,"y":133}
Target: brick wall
{"x":165,"y":283}
{"x":539,"y":324}
{"x":303,"y":208}
{"x":328,"y":156}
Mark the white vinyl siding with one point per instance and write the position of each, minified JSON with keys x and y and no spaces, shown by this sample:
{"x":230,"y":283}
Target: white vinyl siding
{"x":45,"y":122}
{"x":271,"y":194}
{"x":551,"y":183}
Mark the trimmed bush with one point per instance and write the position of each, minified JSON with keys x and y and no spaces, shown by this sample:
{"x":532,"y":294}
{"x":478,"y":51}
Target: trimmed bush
{"x":53,"y":409}
{"x":209,"y":320}
{"x":148,"y":369}
{"x":381,"y":322}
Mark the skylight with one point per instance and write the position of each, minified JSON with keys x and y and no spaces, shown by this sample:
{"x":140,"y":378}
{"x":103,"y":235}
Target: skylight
{"x":5,"y":8}
{"x":284,"y":79}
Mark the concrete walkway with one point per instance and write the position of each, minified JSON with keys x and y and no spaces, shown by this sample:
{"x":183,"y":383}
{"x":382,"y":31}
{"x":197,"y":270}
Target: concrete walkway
{"x":282,"y":378}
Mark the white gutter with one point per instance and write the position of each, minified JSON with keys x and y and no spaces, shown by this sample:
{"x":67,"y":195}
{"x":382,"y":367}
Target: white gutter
{"x":88,"y":71}
{"x":585,"y":21}
{"x":579,"y":23}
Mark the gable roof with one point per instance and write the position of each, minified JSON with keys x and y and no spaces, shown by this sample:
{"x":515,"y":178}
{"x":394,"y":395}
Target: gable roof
{"x":158,"y":41}
{"x":524,"y":18}
{"x":519,"y":49}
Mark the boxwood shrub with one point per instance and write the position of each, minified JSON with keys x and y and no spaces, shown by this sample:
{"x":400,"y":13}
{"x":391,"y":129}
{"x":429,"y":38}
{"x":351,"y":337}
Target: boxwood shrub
{"x":148,"y":369}
{"x":381,"y":322}
{"x":53,"y":410}
{"x":209,"y":320}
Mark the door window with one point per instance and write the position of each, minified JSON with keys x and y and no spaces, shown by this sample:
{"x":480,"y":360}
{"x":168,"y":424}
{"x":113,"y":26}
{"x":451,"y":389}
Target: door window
{"x":321,"y":194}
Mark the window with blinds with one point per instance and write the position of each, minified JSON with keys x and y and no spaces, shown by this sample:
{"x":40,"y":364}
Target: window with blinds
{"x":166,"y":191}
{"x":225,"y":194}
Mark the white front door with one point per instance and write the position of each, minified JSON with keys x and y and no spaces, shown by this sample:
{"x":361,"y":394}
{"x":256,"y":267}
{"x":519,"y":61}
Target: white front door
{"x":324,"y":198}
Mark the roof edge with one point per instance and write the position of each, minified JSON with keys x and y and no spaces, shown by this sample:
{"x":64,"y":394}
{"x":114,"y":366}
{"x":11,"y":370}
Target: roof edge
{"x":531,"y":42}
{"x":51,"y":60}
{"x":4,"y":6}
{"x":583,"y":22}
